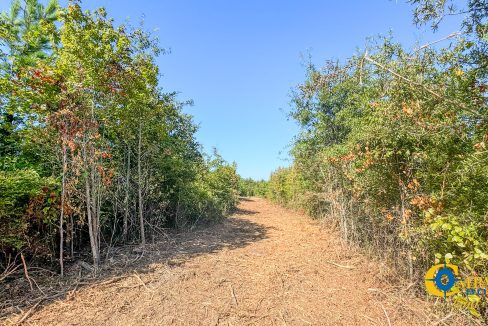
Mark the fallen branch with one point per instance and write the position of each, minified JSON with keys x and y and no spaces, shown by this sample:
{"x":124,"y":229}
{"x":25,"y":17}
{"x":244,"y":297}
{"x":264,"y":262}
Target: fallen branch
{"x":339,"y":265}
{"x":25,"y":271}
{"x":142,"y":283}
{"x":86,"y":266}
{"x":33,"y":308}
{"x":234,"y":299}
{"x":411,"y":285}
{"x":387,"y":318}
{"x":28,"y":313}
{"x":10,"y":268}
{"x":442,"y":321}
{"x":108,"y":282}
{"x":370,"y":319}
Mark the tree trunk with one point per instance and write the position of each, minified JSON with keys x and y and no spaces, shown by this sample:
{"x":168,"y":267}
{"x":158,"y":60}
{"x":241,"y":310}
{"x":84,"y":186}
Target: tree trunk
{"x":126,"y":199}
{"x":61,"y":217}
{"x":96,"y":198}
{"x":141,"y":212}
{"x":92,"y":225}
{"x":72,"y":235}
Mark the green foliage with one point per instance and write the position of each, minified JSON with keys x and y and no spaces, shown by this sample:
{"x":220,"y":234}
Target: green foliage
{"x":252,"y":188}
{"x":89,"y":142}
{"x":434,"y":12}
{"x":19,"y":191}
{"x":212,"y":194}
{"x":458,"y":238}
{"x":393,"y":147}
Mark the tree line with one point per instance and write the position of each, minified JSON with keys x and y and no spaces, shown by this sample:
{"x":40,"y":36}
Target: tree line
{"x":92,"y":151}
{"x":393,"y":146}
{"x":249,"y":187}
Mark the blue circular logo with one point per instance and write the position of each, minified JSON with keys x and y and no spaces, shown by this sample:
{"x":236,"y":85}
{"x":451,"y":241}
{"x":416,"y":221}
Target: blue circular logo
{"x":445,"y":279}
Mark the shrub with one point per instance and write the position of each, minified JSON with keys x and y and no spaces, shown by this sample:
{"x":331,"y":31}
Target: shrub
{"x":393,"y":148}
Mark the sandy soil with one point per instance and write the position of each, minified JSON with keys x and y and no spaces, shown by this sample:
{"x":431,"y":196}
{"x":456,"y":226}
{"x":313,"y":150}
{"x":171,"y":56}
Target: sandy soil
{"x":264,"y":265}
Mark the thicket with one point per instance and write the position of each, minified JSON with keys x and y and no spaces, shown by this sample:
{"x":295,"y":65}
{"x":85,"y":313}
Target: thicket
{"x":92,"y":150}
{"x":249,"y":187}
{"x":393,"y":147}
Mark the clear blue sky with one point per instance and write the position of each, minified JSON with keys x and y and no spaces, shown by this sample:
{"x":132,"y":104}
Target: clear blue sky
{"x":238,"y":60}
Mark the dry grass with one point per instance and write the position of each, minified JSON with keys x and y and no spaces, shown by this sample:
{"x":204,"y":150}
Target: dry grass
{"x":264,"y":265}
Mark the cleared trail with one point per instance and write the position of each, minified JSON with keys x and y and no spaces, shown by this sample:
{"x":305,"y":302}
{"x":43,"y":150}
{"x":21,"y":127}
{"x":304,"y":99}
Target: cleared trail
{"x":264,"y":265}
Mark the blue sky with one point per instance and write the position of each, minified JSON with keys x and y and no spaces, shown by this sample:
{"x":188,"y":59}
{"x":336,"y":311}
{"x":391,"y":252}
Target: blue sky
{"x":238,"y":60}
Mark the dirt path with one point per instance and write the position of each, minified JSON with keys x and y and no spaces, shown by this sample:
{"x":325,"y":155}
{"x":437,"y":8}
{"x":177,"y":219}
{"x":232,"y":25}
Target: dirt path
{"x":263,"y":266}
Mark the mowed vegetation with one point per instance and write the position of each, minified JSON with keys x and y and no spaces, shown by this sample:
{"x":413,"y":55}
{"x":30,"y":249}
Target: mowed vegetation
{"x":394,"y":147}
{"x":92,"y":151}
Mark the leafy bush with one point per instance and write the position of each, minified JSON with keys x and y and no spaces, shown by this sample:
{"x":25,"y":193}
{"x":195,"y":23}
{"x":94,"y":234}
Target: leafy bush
{"x":213,"y":194}
{"x":252,"y":188}
{"x":394,"y":148}
{"x":26,"y":200}
{"x":90,"y":145}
